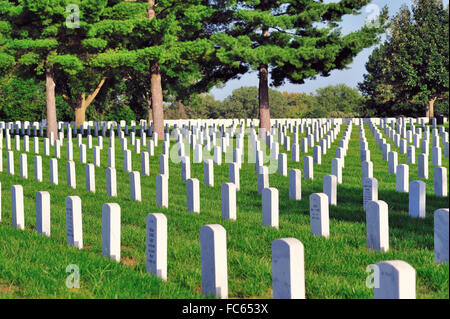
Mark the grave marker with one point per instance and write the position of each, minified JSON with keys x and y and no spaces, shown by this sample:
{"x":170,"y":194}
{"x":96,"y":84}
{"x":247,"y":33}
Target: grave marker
{"x":156,"y":245}
{"x":213,"y":249}
{"x":288,"y":269}
{"x":74,"y":227}
{"x":17,"y":209}
{"x":397,"y":280}
{"x":319,"y":214}
{"x":111,"y":231}
{"x":377,"y":225}
{"x":441,"y":235}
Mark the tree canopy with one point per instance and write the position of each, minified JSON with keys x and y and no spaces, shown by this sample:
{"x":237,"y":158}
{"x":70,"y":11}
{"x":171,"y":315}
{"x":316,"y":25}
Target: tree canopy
{"x":291,"y":40}
{"x":409,"y":72}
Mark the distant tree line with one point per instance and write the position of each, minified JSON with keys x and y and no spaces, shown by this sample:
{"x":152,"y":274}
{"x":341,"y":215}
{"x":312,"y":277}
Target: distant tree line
{"x":23,"y":99}
{"x":331,"y":101}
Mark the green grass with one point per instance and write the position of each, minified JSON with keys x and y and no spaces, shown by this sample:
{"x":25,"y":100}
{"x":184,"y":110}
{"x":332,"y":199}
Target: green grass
{"x":33,"y":266}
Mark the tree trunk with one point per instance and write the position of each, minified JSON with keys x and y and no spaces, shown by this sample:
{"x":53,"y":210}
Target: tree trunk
{"x":264,"y":110}
{"x":157,"y":101}
{"x":430,"y":108}
{"x":80,"y":115}
{"x":52,"y":125}
{"x":80,"y":110}
{"x":155,"y":87}
{"x":181,"y":110}
{"x":149,"y":109}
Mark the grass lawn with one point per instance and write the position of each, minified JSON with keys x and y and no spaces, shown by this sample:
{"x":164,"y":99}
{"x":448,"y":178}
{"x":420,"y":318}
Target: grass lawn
{"x":34,"y":266}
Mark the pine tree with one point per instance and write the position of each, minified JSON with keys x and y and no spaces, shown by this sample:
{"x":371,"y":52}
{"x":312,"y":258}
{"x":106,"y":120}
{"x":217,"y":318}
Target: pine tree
{"x":167,"y":43}
{"x":291,"y":40}
{"x":52,"y":38}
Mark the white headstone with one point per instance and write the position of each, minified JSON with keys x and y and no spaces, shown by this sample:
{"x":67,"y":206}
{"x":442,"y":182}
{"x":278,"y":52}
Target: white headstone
{"x":392,"y":162}
{"x":162,"y":191}
{"x":69,"y":151}
{"x":17,"y":209}
{"x":295,"y":184}
{"x":74,"y":227}
{"x":111,"y":182}
{"x":111,"y":231}
{"x":317,"y":155}
{"x":262,"y":178}
{"x":423,"y":166}
{"x":10,"y":162}
{"x":319,"y":214}
{"x":282,"y":164}
{"x":402,"y":178}
{"x":411,"y":155}
{"x":377,"y":225}
{"x":53,"y":171}
{"x":38,"y":168}
{"x":57,"y":149}
{"x":308,"y":168}
{"x":135,"y":186}
{"x":164,"y":165}
{"x":365,"y":155}
{"x":96,"y":152}
{"x":198,"y":153}
{"x":156,"y":250}
{"x":396,"y":280}
{"x":217,"y":155}
{"x":111,"y":157}
{"x":213,"y":249}
{"x":295,"y":153}
{"x":436,"y":156}
{"x":370,"y":191}
{"x":43,"y":213}
{"x":127,"y":161}
{"x":417,"y":199}
{"x":90,"y":177}
{"x":441,"y":235}
{"x":270,"y":207}
{"x":440,"y":181}
{"x":330,"y":188}
{"x":145,"y":167}
{"x":208,"y":172}
{"x":83,"y":154}
{"x":228,"y":201}
{"x":71,"y":176}
{"x":336,"y":169}
{"x":233,"y":174}
{"x":288,"y":269}
{"x":367,"y":170}
{"x":23,"y":166}
{"x":36,"y":145}
{"x":193,"y":195}
{"x":151,"y":147}
{"x":185,"y":168}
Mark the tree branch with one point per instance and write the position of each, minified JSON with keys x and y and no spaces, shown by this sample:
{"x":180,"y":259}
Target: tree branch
{"x":92,"y":96}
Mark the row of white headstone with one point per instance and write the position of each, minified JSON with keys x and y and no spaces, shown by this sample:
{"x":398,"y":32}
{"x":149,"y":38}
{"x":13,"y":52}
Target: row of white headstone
{"x":394,"y":279}
{"x":377,"y":223}
{"x":316,"y":209}
{"x":440,"y":173}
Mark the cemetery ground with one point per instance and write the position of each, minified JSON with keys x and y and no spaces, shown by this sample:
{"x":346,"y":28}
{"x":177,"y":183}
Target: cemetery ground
{"x":34,"y":266}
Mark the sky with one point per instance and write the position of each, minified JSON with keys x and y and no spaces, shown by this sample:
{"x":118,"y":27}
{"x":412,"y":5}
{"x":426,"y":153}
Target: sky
{"x":350,"y":76}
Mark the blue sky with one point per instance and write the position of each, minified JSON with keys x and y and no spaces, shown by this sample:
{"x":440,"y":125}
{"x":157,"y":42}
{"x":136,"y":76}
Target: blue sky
{"x":350,"y":77}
